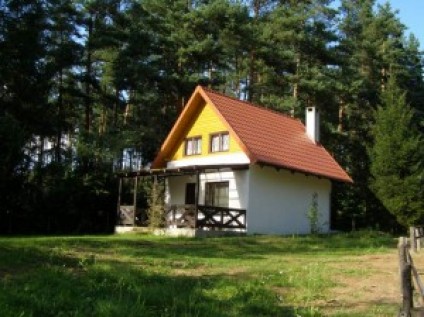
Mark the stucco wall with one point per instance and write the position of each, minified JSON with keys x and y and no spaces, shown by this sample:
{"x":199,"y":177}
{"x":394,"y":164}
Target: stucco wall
{"x":175,"y":189}
{"x":238,"y":187}
{"x":279,"y":201}
{"x":222,"y":159}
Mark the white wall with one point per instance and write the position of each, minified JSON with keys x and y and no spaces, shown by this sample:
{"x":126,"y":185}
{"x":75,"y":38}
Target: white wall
{"x":238,"y":187}
{"x":279,"y":201}
{"x":175,"y":188}
{"x":214,"y":159}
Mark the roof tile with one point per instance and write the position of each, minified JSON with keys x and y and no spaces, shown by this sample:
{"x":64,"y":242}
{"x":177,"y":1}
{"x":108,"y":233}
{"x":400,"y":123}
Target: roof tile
{"x":276,"y":139}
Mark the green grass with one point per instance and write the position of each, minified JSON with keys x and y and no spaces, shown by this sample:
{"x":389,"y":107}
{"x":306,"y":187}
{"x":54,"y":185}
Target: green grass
{"x":143,"y":275}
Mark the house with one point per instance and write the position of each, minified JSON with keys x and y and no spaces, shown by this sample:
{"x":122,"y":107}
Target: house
{"x":232,"y":165}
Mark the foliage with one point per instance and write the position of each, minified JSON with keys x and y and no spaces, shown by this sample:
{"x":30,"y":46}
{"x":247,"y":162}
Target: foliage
{"x":397,"y":165}
{"x":156,"y":209}
{"x":84,"y":83}
{"x":314,"y":215}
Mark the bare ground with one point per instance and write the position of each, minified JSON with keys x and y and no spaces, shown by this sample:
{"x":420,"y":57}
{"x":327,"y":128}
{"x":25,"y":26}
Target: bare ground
{"x":367,"y":282}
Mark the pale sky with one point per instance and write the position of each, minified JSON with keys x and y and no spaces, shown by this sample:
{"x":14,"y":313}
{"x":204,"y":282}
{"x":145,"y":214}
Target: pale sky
{"x":411,"y":14}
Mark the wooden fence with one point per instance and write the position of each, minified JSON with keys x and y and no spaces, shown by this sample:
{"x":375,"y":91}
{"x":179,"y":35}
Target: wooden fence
{"x":411,"y":286}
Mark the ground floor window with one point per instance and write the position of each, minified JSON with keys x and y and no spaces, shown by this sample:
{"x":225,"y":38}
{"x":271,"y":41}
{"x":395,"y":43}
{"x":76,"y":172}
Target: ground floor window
{"x":217,"y":194}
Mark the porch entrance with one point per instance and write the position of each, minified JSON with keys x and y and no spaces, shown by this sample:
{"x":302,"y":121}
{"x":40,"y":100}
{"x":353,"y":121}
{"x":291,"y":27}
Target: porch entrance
{"x":190,"y":194}
{"x":214,"y":214}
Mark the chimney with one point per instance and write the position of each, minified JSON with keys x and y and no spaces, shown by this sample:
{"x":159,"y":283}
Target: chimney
{"x":312,"y":123}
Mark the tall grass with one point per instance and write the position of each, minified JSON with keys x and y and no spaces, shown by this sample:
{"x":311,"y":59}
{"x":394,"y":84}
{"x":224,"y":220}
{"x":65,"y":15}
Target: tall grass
{"x":141,"y":275}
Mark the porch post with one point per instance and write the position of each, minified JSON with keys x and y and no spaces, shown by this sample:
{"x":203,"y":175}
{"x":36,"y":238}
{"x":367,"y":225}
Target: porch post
{"x":196,"y":201}
{"x":118,"y":207}
{"x":135,"y":198}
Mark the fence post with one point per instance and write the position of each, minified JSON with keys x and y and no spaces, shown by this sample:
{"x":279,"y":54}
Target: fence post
{"x":413,"y":239}
{"x":405,"y":278}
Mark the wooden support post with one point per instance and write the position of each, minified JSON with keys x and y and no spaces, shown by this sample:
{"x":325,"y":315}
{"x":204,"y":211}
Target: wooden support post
{"x":118,"y":206}
{"x":196,"y":201}
{"x":419,"y":235}
{"x":413,"y":239}
{"x":405,"y":278}
{"x":135,"y":198}
{"x":174,"y":213}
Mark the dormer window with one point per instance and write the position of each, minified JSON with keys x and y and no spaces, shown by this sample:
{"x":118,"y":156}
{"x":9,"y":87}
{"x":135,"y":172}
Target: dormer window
{"x":220,"y":142}
{"x":193,"y":146}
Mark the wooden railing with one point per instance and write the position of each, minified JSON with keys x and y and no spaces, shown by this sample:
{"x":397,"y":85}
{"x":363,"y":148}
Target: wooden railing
{"x":221,"y":218}
{"x":181,"y":216}
{"x":126,"y":215}
{"x":208,"y":217}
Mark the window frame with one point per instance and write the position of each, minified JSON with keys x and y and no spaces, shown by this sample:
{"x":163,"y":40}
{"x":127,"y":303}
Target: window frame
{"x":220,"y":136}
{"x":195,"y":138}
{"x":210,"y":194}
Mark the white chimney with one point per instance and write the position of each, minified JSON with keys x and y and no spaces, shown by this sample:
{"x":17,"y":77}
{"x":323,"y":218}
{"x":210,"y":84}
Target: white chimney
{"x":312,"y":123}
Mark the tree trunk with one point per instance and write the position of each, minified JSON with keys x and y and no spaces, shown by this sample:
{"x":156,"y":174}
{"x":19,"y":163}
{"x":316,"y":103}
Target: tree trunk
{"x":341,"y":116}
{"x":116,"y":107}
{"x":88,"y":76}
{"x":58,"y":146}
{"x":296,"y":81}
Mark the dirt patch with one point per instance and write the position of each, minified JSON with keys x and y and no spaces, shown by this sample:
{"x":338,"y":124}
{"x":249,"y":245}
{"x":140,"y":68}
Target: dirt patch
{"x":206,"y":270}
{"x":367,"y":281}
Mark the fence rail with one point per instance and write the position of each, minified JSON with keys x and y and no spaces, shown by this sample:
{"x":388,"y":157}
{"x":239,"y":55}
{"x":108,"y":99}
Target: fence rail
{"x":410,"y":279}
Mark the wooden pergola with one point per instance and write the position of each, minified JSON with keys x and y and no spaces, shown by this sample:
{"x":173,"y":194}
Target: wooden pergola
{"x":183,"y":216}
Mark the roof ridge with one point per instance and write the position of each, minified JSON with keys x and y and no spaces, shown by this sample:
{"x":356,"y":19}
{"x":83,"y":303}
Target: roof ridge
{"x":251,"y":104}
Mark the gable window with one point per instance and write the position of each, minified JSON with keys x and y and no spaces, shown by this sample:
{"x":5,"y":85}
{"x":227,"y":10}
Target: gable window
{"x":193,"y":145}
{"x":217,"y":194}
{"x":220,"y":142}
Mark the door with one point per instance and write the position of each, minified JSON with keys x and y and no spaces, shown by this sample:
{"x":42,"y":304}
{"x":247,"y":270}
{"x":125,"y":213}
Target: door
{"x":190,"y":194}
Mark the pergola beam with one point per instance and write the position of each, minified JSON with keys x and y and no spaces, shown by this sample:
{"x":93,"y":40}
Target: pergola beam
{"x":189,"y":170}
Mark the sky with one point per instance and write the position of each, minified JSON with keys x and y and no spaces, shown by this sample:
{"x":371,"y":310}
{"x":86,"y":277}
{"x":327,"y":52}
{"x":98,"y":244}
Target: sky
{"x":411,"y":14}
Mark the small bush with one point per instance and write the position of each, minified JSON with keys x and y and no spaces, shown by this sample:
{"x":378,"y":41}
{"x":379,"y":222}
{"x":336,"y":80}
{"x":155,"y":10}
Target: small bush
{"x":313,"y":215}
{"x":156,"y":211}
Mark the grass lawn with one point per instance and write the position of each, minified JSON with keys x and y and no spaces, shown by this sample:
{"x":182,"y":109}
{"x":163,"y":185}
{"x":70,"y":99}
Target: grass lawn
{"x":144,"y":275}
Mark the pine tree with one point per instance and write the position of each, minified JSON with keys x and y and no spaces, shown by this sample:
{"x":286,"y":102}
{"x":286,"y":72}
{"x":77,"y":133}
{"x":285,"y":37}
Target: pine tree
{"x":296,"y":56}
{"x":63,"y":56}
{"x":397,"y":158}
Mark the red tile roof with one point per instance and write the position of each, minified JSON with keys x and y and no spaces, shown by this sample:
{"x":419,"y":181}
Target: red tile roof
{"x":272,"y":138}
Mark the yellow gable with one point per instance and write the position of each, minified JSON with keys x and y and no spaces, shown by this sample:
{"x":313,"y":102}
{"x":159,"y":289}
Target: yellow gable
{"x":204,"y":125}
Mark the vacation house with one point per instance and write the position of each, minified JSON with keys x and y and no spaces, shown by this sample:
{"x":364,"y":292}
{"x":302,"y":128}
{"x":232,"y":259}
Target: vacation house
{"x":232,"y":165}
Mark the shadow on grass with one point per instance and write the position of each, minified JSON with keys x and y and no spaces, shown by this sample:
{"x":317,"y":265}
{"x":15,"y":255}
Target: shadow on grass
{"x":42,"y":283}
{"x":248,"y":247}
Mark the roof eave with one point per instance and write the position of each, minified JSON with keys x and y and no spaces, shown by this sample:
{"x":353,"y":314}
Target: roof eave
{"x":346,"y":179}
{"x":159,"y":161}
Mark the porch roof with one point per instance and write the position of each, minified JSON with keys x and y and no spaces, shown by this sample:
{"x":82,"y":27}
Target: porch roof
{"x":185,"y":170}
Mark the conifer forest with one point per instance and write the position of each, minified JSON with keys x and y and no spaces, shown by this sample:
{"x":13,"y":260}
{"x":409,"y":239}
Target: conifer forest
{"x":91,"y":87}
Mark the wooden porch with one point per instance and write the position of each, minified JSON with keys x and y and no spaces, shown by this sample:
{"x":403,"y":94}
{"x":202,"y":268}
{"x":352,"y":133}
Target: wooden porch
{"x":205,"y":217}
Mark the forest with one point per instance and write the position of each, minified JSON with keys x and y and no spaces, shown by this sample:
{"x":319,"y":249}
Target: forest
{"x":89,"y":88}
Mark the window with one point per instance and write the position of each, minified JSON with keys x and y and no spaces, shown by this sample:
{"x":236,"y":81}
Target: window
{"x":217,"y":194}
{"x":193,"y":146}
{"x":220,"y":142}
